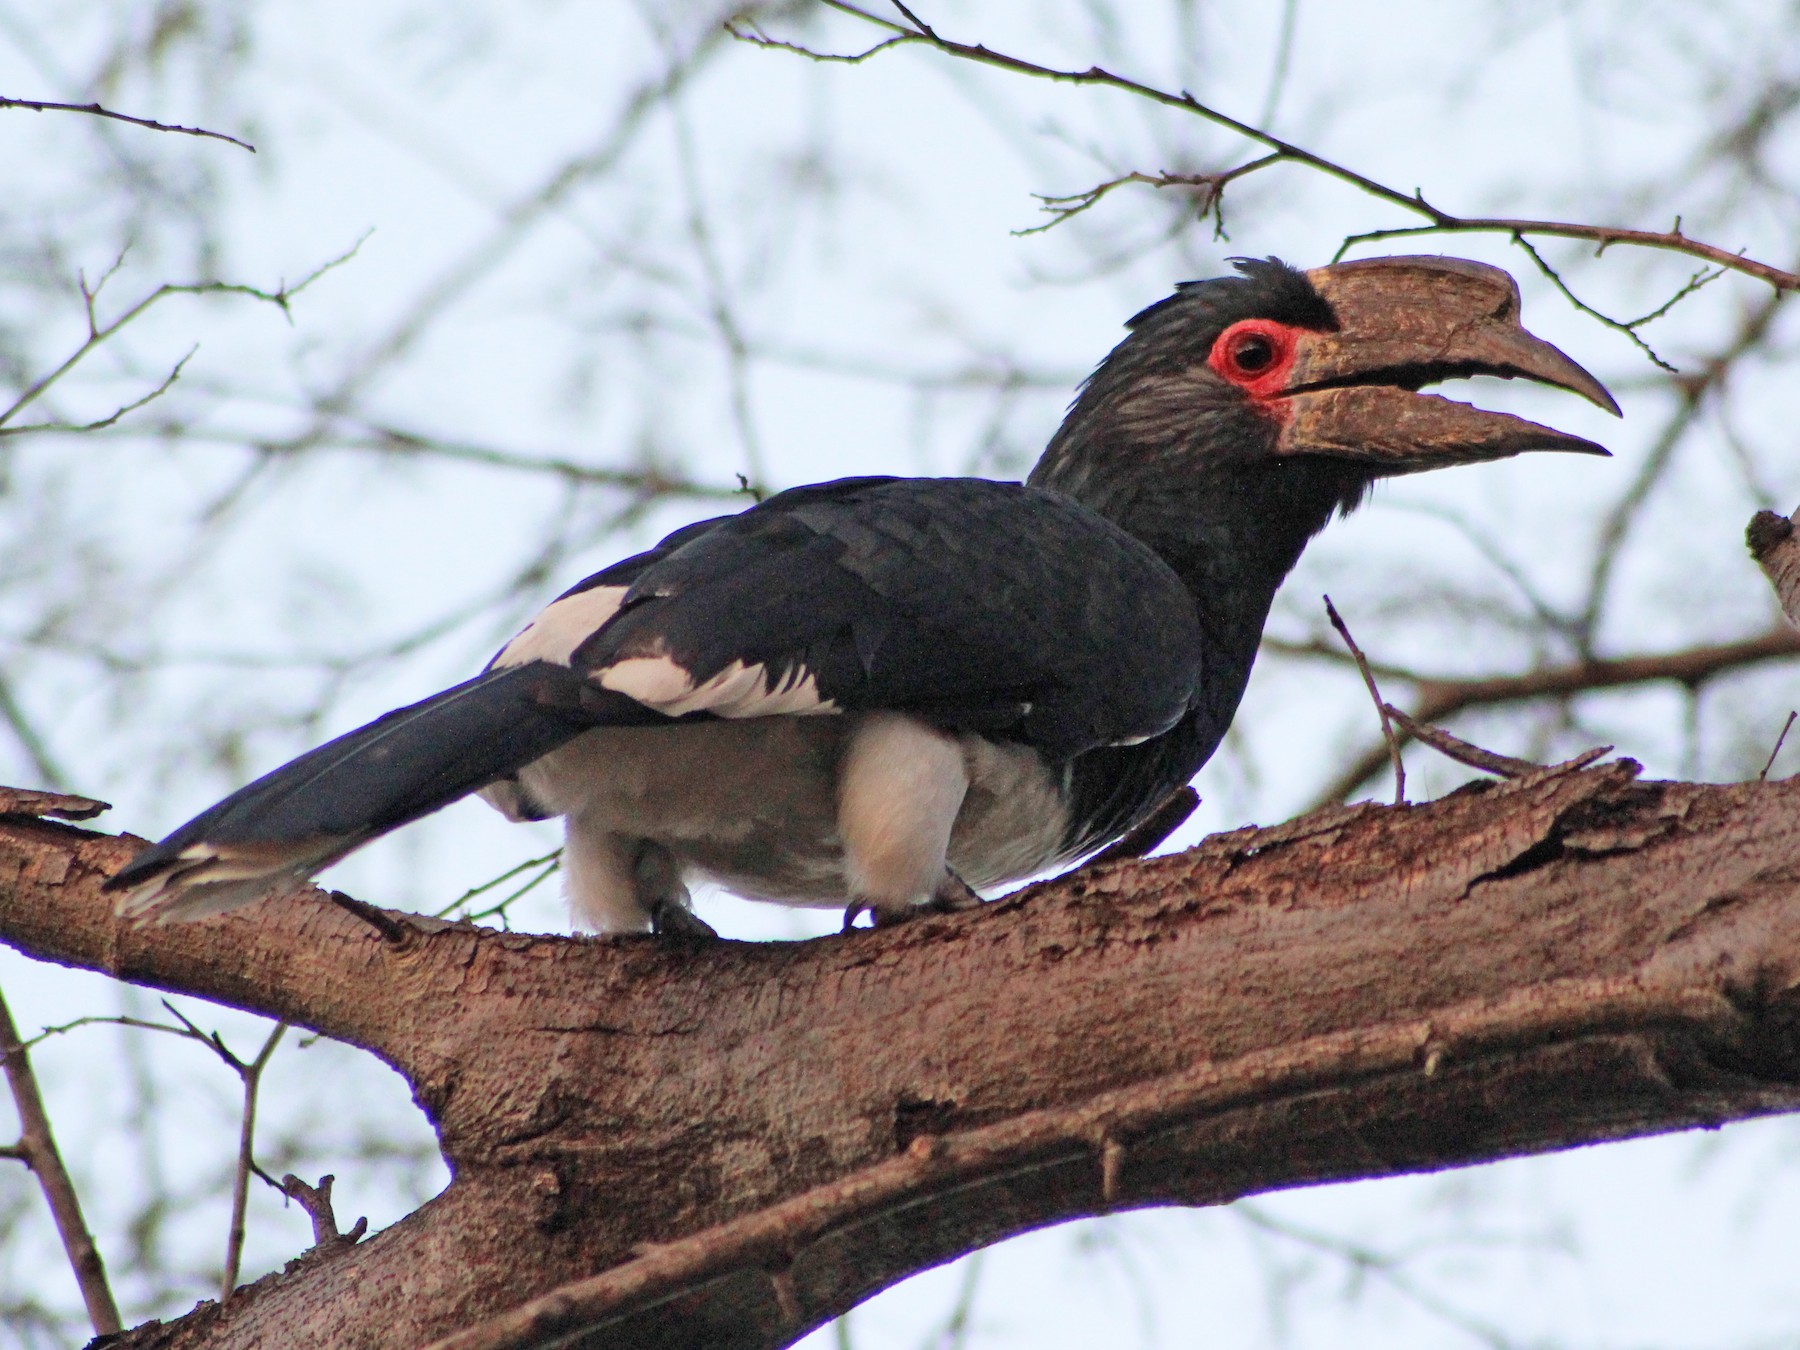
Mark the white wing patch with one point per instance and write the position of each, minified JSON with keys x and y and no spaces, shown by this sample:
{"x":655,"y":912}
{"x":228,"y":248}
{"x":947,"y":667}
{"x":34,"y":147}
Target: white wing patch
{"x":562,"y":626}
{"x":739,"y":690}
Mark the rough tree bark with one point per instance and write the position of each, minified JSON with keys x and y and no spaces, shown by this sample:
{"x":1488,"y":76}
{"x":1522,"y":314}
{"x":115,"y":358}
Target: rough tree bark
{"x":658,"y":1143}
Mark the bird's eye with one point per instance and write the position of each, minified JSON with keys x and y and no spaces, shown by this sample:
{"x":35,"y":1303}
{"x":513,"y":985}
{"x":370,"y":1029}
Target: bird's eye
{"x":1253,"y":353}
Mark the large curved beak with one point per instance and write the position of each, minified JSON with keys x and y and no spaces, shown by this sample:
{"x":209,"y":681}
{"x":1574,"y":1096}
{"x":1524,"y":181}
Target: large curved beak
{"x":1408,"y":322}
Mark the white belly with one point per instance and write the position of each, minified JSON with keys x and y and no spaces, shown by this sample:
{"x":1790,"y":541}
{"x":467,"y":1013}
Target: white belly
{"x":757,"y":804}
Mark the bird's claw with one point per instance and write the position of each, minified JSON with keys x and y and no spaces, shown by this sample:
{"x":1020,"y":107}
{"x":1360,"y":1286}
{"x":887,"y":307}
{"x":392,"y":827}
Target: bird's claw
{"x":670,"y":919}
{"x":953,"y":896}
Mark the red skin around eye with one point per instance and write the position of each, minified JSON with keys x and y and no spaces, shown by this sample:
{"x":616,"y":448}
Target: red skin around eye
{"x":1261,"y":385}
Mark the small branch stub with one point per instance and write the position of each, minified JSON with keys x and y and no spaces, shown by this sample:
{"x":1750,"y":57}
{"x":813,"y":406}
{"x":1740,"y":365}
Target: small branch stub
{"x":1772,"y":543}
{"x":316,"y":1201}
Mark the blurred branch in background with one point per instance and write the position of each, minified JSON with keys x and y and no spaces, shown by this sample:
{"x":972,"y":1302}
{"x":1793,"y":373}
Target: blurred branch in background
{"x":99,"y":332}
{"x":36,"y":1148}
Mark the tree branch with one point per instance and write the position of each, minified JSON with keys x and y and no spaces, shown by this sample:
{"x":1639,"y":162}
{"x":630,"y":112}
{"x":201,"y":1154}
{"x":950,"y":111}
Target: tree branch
{"x":916,"y":31}
{"x":1609,"y":958}
{"x":37,"y":1150}
{"x":95,"y":110}
{"x":1440,"y":697}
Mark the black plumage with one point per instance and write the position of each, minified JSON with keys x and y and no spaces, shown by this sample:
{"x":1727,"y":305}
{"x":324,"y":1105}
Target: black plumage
{"x":857,"y":690}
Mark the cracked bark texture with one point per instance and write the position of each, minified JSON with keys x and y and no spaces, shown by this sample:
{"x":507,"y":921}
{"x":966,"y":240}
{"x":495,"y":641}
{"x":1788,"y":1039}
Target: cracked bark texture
{"x":658,"y":1143}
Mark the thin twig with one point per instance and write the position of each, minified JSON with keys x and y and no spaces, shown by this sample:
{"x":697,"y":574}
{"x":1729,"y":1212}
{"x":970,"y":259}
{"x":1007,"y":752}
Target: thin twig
{"x":1387,"y":1268}
{"x":1439,"y":221}
{"x":1440,"y":698}
{"x":1381,"y":708}
{"x":1463,"y":752}
{"x":36,"y":1148}
{"x":112,"y":418}
{"x":1211,"y":193}
{"x":251,"y":1074}
{"x":757,"y":38}
{"x":95,"y":110}
{"x":547,"y":865}
{"x":1617,"y":325}
{"x":1780,"y":740}
{"x":98,"y":333}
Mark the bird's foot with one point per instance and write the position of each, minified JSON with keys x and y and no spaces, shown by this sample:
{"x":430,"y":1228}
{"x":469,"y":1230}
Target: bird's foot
{"x":670,"y":918}
{"x":953,"y":896}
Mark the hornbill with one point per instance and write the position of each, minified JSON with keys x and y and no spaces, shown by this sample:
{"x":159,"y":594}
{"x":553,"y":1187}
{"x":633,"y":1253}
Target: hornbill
{"x":883,"y":692}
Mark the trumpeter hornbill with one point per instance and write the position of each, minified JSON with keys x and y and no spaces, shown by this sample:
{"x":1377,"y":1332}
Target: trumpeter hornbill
{"x":881,"y":691}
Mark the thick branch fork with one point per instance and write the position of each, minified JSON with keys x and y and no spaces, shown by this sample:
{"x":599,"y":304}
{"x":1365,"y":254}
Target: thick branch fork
{"x":725,"y":1145}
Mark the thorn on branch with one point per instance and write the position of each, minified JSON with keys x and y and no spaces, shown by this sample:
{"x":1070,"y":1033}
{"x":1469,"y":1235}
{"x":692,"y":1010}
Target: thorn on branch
{"x":60,"y":805}
{"x":1112,"y":1166}
{"x":1381,"y":708}
{"x":787,"y":1297}
{"x":1780,"y":740}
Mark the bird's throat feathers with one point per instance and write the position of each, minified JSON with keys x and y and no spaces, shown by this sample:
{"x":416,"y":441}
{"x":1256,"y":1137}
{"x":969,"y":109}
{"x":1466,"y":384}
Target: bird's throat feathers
{"x":1231,"y":527}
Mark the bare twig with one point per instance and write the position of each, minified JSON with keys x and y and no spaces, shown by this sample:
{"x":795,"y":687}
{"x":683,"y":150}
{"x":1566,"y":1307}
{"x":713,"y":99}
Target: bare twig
{"x":30,"y":739}
{"x":1629,"y":329}
{"x":1440,"y":698}
{"x":112,"y":418}
{"x":754,"y":35}
{"x":95,"y":110}
{"x":1454,"y":747}
{"x":1439,"y":221}
{"x":959,"y":1322}
{"x":251,"y":1074}
{"x":544,"y":868}
{"x":1381,"y":707}
{"x":36,"y":1148}
{"x":1780,"y":740}
{"x":1367,"y":1261}
{"x":98,"y":333}
{"x":1211,"y":194}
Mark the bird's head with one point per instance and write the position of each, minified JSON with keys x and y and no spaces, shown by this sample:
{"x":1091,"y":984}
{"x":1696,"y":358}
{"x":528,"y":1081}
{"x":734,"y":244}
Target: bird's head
{"x":1287,"y":393}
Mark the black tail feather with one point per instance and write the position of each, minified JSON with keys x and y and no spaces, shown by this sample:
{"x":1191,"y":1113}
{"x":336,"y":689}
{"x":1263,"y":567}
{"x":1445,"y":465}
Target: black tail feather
{"x":396,"y":769}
